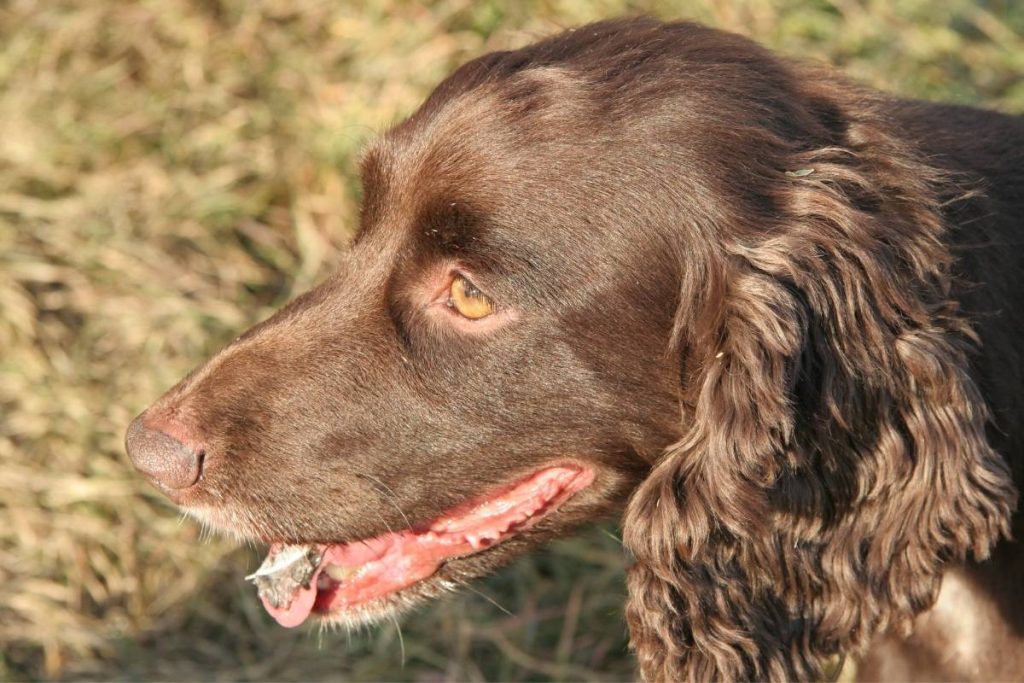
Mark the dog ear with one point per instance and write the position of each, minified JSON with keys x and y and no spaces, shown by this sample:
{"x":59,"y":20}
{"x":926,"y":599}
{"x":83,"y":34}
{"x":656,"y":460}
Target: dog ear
{"x":833,"y":457}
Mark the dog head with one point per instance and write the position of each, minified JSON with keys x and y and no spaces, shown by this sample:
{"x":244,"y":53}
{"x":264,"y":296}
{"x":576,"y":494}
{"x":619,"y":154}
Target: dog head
{"x":636,"y":260}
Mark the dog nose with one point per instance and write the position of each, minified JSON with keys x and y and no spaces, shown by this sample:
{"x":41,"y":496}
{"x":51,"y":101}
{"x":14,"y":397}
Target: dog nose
{"x":165,"y":460}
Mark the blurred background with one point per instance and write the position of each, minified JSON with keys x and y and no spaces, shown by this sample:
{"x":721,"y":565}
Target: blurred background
{"x":170,"y":172}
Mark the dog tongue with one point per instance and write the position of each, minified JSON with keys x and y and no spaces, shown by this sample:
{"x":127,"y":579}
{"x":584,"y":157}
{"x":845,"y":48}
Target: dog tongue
{"x":297,"y":610}
{"x":287,"y":582}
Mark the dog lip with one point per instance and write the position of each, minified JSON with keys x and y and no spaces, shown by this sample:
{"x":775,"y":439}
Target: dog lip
{"x":382,"y":566}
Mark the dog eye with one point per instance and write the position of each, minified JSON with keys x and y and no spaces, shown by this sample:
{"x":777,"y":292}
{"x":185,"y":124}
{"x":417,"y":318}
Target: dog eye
{"x":468,"y":301}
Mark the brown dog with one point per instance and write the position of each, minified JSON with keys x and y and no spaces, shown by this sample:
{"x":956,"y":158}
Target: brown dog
{"x":775,"y":317}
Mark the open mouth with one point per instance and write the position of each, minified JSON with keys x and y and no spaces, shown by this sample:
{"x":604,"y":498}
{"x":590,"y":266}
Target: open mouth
{"x":298,"y":580}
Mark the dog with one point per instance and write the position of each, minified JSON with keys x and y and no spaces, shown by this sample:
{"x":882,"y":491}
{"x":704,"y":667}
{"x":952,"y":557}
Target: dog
{"x":771,"y":318}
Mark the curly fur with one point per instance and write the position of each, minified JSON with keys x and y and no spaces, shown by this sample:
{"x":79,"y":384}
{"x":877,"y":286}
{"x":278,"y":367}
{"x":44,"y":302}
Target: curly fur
{"x":834,"y":456}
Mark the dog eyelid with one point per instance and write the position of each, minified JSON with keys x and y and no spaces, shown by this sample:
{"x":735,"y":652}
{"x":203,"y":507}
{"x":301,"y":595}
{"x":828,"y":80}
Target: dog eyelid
{"x":470,"y":289}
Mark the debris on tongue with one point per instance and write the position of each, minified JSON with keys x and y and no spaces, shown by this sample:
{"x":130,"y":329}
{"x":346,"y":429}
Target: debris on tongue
{"x":284,"y":581}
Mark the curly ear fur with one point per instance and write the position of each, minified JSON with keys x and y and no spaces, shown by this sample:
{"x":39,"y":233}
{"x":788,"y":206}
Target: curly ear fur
{"x":834,"y":456}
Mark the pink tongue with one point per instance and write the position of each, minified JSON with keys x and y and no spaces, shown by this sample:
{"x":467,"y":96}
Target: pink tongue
{"x":299,"y":608}
{"x":301,"y":603}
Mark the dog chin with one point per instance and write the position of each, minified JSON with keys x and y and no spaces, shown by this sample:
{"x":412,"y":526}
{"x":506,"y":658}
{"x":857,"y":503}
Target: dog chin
{"x":449,"y":579}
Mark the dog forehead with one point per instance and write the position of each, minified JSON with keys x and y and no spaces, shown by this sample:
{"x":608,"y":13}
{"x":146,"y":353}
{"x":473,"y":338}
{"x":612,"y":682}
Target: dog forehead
{"x":518,"y":166}
{"x":481,"y":131}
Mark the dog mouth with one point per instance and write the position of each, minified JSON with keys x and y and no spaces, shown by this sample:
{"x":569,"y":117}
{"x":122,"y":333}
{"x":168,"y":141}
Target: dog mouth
{"x":298,"y":580}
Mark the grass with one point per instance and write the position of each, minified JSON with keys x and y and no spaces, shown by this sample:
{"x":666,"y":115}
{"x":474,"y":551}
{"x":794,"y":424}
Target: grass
{"x":170,"y":172}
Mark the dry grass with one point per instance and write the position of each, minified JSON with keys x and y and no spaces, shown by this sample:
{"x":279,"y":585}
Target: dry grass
{"x":171,"y":171}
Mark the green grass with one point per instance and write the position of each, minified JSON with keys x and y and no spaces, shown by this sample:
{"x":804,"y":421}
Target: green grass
{"x":170,"y":172}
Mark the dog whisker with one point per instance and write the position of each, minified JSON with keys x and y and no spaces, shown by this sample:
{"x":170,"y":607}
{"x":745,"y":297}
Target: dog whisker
{"x":387,"y":493}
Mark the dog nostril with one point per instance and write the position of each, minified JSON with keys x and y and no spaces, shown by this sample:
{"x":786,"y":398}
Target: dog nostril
{"x":163,"y":459}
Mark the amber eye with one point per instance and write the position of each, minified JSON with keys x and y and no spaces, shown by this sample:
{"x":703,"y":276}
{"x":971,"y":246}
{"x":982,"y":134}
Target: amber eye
{"x":469,"y":301}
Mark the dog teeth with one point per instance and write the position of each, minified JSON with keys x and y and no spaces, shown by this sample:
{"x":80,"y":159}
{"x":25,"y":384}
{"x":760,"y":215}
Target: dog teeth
{"x":340,"y":573}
